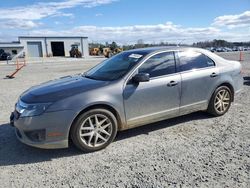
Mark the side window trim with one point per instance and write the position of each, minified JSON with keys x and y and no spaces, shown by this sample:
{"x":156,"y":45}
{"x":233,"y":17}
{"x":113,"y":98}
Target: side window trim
{"x":210,"y":60}
{"x":164,"y":76}
{"x":177,"y":61}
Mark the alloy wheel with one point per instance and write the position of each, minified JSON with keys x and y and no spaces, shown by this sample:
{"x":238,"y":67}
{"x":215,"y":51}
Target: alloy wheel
{"x":222,"y":101}
{"x":95,"y":130}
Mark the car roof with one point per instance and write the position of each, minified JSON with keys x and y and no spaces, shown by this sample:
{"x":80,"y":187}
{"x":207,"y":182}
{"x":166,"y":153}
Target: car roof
{"x":149,"y":50}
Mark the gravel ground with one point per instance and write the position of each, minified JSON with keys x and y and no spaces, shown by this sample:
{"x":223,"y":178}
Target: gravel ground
{"x":195,"y":150}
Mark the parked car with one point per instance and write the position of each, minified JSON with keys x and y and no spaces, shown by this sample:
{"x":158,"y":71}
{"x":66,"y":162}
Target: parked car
{"x":226,"y":49}
{"x":245,"y":49}
{"x":130,"y":89}
{"x":211,"y":49}
{"x":219,"y":50}
{"x":235,"y":48}
{"x":240,"y":48}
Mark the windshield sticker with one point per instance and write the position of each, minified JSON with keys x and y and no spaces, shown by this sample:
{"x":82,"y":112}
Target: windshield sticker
{"x":136,"y":56}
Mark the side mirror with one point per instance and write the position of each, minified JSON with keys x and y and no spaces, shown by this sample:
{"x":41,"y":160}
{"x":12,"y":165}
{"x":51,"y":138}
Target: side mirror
{"x":141,"y":77}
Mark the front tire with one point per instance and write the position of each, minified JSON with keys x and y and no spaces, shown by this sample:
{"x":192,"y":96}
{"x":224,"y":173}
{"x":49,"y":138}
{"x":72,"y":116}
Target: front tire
{"x":220,"y":102}
{"x":94,"y":130}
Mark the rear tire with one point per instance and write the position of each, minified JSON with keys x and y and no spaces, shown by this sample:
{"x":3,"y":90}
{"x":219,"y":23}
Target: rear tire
{"x":94,"y":130}
{"x":220,"y":101}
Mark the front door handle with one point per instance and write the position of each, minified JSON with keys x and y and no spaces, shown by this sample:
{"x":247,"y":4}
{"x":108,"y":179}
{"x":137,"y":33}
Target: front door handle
{"x":172,"y":83}
{"x":213,"y":75}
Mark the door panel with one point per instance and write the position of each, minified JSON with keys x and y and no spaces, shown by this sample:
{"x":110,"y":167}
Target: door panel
{"x":196,"y":89}
{"x":151,"y":101}
{"x":198,"y":77}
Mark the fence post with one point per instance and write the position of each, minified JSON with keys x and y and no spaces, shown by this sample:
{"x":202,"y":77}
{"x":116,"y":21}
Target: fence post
{"x":17,"y":64}
{"x":241,"y":56}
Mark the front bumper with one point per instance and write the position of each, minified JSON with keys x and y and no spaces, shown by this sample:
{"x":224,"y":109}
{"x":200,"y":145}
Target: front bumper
{"x":47,"y":131}
{"x":44,"y":145}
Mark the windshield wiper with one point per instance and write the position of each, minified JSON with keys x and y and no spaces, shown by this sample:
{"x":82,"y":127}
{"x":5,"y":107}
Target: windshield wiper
{"x":90,"y":77}
{"x":94,"y":78}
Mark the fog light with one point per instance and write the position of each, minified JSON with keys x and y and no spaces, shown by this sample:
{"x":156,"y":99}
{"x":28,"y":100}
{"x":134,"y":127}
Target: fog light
{"x":36,"y":136}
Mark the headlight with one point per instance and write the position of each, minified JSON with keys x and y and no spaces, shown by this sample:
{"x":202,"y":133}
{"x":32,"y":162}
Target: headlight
{"x":26,"y":110}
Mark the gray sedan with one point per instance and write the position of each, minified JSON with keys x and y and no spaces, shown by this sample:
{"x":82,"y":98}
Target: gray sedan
{"x":131,"y":89}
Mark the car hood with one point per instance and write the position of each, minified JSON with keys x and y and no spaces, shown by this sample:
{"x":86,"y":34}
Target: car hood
{"x":60,"y":88}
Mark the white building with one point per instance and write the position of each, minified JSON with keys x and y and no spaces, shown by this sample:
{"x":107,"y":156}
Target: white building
{"x":13,"y":48}
{"x":47,"y":46}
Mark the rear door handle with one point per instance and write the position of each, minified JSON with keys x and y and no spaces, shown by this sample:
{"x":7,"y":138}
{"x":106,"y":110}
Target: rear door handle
{"x":213,"y":75}
{"x":172,"y":83}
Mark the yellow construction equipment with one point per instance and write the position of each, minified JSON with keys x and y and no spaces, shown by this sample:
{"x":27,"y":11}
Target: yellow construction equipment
{"x":74,"y":52}
{"x":95,"y":51}
{"x":107,"y":52}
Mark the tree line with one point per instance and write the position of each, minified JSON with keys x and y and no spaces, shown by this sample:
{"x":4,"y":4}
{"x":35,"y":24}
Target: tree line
{"x":140,"y":44}
{"x":220,"y":43}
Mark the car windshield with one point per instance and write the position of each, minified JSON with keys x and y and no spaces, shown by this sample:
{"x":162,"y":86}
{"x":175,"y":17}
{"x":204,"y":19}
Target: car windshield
{"x":115,"y":67}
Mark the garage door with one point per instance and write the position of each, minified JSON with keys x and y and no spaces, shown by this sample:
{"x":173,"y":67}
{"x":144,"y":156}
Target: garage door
{"x":34,"y":49}
{"x":57,"y":48}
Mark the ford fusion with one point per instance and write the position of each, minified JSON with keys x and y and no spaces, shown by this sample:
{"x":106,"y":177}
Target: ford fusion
{"x":130,"y":89}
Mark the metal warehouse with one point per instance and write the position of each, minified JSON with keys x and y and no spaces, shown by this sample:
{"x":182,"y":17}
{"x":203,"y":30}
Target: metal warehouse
{"x":47,"y":46}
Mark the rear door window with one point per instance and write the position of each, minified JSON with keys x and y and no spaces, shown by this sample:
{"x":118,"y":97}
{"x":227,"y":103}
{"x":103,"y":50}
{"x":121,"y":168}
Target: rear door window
{"x":193,"y":60}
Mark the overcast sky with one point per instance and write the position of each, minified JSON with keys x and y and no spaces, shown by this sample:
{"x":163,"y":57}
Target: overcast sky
{"x":127,"y":21}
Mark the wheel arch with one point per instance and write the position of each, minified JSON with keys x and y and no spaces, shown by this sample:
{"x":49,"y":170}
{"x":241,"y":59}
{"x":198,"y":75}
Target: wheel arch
{"x":96,"y":106}
{"x":229,"y":85}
